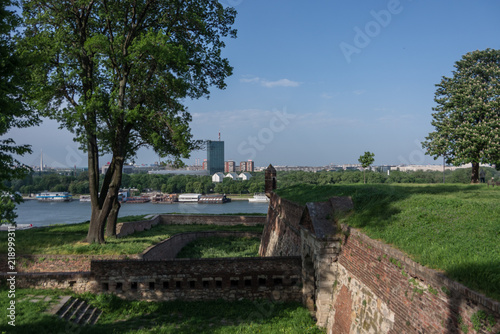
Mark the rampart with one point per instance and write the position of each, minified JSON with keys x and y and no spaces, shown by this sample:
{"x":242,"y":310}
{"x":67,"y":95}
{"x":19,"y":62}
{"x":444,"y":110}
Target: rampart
{"x":354,"y":284}
{"x":126,"y":228}
{"x":201,"y":279}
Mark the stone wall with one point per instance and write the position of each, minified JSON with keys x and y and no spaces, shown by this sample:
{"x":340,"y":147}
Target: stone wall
{"x":169,"y":248}
{"x":40,"y":263}
{"x":281,"y":236}
{"x":127,"y":228}
{"x":79,"y":282}
{"x":203,"y":279}
{"x":378,"y":289}
{"x":354,"y":284}
{"x":226,"y":220}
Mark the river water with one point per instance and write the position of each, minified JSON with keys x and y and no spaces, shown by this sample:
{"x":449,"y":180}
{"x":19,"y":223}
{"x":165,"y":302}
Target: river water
{"x":49,"y":213}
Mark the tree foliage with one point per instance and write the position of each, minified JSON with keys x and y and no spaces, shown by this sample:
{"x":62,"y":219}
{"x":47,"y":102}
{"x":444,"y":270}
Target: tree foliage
{"x":116,"y":73}
{"x":366,"y":160}
{"x":13,"y":111}
{"x":467,"y":117}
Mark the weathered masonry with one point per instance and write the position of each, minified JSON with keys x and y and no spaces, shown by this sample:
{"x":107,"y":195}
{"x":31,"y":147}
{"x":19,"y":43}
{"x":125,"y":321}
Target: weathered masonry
{"x":354,"y":284}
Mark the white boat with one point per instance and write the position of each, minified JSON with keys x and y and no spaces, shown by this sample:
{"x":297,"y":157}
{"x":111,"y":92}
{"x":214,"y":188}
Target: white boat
{"x":54,"y":197}
{"x":259,"y":198}
{"x":189,"y":198}
{"x":85,"y":198}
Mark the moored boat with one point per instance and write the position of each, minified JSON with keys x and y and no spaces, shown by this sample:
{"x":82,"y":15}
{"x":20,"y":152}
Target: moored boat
{"x":259,"y":198}
{"x":54,"y":197}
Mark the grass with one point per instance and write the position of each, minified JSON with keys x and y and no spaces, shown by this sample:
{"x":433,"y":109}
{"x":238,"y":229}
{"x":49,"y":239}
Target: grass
{"x":217,"y":247}
{"x":69,"y":239}
{"x":452,"y":228}
{"x":123,"y":316}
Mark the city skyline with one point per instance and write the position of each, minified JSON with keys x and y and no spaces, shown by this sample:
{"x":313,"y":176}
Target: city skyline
{"x":321,"y":83}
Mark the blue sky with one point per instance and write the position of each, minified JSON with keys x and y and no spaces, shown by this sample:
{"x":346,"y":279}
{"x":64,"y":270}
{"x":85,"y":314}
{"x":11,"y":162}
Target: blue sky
{"x":319,"y":82}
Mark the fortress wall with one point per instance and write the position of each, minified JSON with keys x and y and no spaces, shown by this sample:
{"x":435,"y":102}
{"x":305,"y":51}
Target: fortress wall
{"x":277,"y":279}
{"x":281,"y":236}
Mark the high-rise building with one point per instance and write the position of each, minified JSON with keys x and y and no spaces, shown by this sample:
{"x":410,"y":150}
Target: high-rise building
{"x":215,"y":156}
{"x":230,"y":166}
{"x":246,"y":166}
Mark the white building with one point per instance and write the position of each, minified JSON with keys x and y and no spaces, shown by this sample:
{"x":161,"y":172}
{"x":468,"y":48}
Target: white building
{"x":233,"y":176}
{"x":245,"y":176}
{"x":217,"y":177}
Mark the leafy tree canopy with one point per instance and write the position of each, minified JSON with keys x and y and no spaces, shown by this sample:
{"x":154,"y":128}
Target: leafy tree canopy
{"x":467,"y":117}
{"x":13,"y":112}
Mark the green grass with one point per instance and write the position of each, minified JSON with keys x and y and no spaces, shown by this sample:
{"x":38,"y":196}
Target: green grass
{"x":452,"y":228}
{"x":122,"y":316}
{"x":217,"y":247}
{"x":69,"y":239}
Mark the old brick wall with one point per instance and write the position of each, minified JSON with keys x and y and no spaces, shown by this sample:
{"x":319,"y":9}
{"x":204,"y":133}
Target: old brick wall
{"x":169,"y":248}
{"x":79,"y":282}
{"x":126,"y":228}
{"x":203,"y":279}
{"x":40,"y":263}
{"x":386,"y":292}
{"x":281,"y":236}
{"x":226,"y":220}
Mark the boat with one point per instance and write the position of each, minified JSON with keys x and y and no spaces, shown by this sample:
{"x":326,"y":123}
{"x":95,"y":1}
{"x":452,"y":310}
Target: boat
{"x":138,"y":199}
{"x":189,"y":198}
{"x":259,"y":198}
{"x":54,"y":197}
{"x":85,"y":198}
{"x":164,"y":198}
{"x":213,"y":199}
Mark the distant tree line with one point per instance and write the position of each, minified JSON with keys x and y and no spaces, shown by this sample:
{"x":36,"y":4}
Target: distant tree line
{"x":78,"y":184}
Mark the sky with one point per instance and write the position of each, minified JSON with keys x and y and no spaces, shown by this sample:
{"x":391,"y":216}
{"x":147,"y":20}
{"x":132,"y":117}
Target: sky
{"x":321,"y":82}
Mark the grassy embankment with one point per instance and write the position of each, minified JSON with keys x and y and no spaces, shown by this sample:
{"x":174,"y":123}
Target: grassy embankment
{"x":216,"y":247}
{"x":124,"y":316}
{"x":69,"y":239}
{"x":452,"y":228}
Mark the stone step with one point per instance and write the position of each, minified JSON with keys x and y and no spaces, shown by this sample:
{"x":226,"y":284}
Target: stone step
{"x":76,"y":311}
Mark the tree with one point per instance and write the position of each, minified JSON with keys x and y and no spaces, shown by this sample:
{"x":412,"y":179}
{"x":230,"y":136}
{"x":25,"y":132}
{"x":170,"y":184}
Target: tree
{"x":467,"y":118}
{"x":116,"y":73}
{"x":366,"y":160}
{"x":13,"y":112}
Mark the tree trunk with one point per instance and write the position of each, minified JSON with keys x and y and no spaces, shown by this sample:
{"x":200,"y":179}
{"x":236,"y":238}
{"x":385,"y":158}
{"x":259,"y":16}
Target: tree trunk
{"x":112,"y":218}
{"x":475,"y":173}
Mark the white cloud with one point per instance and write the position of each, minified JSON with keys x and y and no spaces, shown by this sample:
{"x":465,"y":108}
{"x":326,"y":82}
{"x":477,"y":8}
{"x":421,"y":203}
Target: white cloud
{"x":271,"y":84}
{"x":279,"y":83}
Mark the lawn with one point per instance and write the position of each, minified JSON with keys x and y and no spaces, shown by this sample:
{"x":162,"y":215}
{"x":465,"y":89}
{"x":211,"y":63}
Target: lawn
{"x":123,"y":316}
{"x":452,"y":228}
{"x":218,"y":247}
{"x":68,"y":239}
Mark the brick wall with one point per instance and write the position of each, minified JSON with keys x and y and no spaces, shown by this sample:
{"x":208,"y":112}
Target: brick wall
{"x":189,"y":279}
{"x":40,"y":263}
{"x":79,"y":282}
{"x":226,"y":220}
{"x":168,"y":249}
{"x":281,"y":236}
{"x":386,"y":292}
{"x":124,"y":229}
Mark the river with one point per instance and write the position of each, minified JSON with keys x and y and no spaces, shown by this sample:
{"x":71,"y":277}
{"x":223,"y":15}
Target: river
{"x":49,"y":213}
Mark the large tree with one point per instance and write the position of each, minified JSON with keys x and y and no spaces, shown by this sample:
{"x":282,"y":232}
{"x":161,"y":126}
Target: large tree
{"x":13,"y":111}
{"x":467,"y":118}
{"x":116,"y":73}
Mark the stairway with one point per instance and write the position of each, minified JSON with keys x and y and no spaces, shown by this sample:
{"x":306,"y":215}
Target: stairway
{"x":76,"y":310}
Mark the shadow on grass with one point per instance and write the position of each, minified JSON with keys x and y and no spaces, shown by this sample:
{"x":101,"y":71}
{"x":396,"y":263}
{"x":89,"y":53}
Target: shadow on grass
{"x":185,"y":318}
{"x":374,"y":205}
{"x":484,"y":277}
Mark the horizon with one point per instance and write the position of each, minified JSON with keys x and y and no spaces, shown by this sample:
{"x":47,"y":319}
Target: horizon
{"x":317,"y":84}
